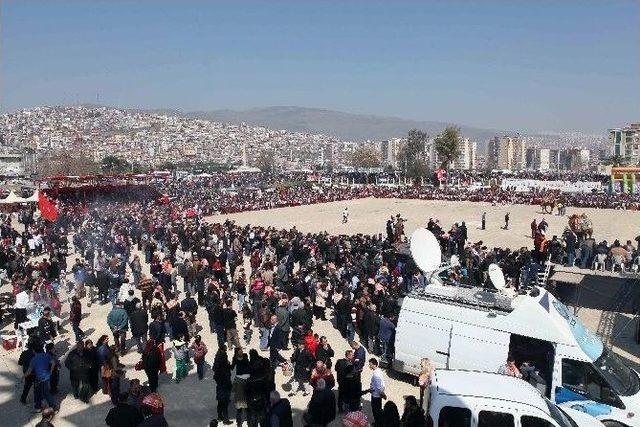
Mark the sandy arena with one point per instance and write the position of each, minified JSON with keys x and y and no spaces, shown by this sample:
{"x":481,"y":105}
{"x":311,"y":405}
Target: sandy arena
{"x":369,"y":215}
{"x":192,"y":402}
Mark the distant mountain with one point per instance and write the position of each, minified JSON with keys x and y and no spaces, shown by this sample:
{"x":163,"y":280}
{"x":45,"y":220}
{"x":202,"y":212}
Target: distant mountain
{"x":346,"y":126}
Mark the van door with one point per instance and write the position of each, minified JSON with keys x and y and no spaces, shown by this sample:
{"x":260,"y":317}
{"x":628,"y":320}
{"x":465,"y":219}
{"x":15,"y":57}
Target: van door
{"x":478,"y":348}
{"x":417,"y":336}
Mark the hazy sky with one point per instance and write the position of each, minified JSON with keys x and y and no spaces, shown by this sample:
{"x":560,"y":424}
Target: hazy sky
{"x":520,"y":65}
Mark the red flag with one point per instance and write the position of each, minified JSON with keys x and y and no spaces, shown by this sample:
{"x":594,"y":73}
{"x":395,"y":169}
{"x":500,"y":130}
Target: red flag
{"x":47,"y":208}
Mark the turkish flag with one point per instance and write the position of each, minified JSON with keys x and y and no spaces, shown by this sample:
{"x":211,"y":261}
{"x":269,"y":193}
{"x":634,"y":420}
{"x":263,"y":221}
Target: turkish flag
{"x":47,"y":208}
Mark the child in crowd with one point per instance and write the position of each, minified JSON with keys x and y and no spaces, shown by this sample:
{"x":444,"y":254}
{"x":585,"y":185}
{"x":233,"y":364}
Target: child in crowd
{"x":180,"y":353}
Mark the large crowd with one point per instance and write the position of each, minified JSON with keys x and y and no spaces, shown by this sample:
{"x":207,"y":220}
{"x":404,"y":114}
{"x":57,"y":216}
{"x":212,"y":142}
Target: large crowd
{"x":291,"y":281}
{"x":232,"y":193}
{"x":278,"y":285}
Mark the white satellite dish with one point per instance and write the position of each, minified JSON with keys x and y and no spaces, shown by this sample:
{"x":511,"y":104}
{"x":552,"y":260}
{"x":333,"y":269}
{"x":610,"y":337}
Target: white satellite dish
{"x":497,"y":276}
{"x":425,"y":250}
{"x":454,"y":261}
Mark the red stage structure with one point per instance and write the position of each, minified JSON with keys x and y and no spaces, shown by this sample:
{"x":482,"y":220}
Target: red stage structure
{"x":90,"y":187}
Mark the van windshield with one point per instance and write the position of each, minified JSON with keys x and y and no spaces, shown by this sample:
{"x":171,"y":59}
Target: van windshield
{"x":558,"y":415}
{"x":622,"y":379}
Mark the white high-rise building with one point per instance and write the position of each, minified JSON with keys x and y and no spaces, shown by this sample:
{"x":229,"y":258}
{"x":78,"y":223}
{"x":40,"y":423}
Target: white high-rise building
{"x":390,"y":151}
{"x":507,"y":153}
{"x":538,"y":159}
{"x":468,"y":155}
{"x":467,"y":160}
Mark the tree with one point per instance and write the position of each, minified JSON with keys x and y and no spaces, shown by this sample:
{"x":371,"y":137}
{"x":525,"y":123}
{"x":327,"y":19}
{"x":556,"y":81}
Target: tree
{"x":412,"y":153}
{"x":447,"y":146}
{"x":168,"y":166}
{"x":266,"y":161}
{"x":615,"y":160}
{"x":114,"y":164}
{"x":64,"y":162}
{"x":365,"y":157}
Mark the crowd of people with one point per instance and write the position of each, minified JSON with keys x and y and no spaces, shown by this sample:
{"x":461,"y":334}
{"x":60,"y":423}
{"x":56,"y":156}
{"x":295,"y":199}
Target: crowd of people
{"x":292,"y":280}
{"x":260,"y":289}
{"x":215,"y":195}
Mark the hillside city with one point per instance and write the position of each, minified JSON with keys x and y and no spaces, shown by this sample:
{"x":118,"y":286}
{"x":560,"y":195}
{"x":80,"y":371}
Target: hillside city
{"x":155,"y":140}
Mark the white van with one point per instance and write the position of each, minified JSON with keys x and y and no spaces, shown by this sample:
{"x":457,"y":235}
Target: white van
{"x":481,"y":399}
{"x":476,"y":329}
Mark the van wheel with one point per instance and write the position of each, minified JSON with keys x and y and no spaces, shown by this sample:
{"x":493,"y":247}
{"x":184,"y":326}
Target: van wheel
{"x":613,"y":424}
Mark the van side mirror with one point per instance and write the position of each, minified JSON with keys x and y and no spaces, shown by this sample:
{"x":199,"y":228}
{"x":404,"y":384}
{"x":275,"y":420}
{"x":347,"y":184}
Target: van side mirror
{"x":608,"y":395}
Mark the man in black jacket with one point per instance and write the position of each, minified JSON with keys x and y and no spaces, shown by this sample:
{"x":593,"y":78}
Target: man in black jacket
{"x":279,"y":414}
{"x":276,"y":340}
{"x":179,"y":328}
{"x":325,"y":352}
{"x":190,"y":308}
{"x":123,"y":414}
{"x":189,"y":305}
{"x":138,"y":321}
{"x":102,"y":283}
{"x":256,"y":391}
{"x":322,"y":407}
{"x":343,"y":312}
{"x":78,"y":368}
{"x":24,"y":361}
{"x":130,"y":302}
{"x":344,"y":376}
{"x":46,"y":327}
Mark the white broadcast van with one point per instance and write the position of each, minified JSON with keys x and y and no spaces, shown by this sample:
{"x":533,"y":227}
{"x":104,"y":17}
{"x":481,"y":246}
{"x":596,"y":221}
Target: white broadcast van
{"x":481,"y":399}
{"x":477,"y":328}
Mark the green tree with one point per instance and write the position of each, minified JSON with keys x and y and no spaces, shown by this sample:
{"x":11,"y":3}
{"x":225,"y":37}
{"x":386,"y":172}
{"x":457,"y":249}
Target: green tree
{"x":137,"y":167}
{"x":114,"y":164}
{"x":365,"y":157}
{"x":168,"y":166}
{"x":411,"y":155}
{"x":266,"y":161}
{"x":447,"y":145}
{"x":615,"y":160}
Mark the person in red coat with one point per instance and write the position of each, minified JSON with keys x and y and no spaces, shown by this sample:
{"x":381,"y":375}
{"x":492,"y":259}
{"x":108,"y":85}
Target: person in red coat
{"x":311,"y":342}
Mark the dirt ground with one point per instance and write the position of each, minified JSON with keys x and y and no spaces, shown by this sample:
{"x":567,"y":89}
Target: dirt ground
{"x":192,"y":402}
{"x":370,"y":215}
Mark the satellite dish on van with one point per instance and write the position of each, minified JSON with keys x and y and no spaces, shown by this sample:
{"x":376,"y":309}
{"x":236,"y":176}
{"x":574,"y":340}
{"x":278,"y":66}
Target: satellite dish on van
{"x":425,"y":250}
{"x":454,"y":261}
{"x":497,"y":276}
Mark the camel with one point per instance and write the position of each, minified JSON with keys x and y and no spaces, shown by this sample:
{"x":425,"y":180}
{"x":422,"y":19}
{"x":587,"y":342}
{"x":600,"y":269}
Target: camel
{"x":581,"y":225}
{"x":547,"y":204}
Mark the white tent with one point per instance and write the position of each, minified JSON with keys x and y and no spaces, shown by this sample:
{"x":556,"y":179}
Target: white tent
{"x":244,"y":169}
{"x":13,"y":198}
{"x":34,"y":197}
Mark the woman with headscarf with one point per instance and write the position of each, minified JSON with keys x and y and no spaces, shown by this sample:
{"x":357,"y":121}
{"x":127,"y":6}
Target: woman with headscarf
{"x":180,"y":353}
{"x":390,"y":415}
